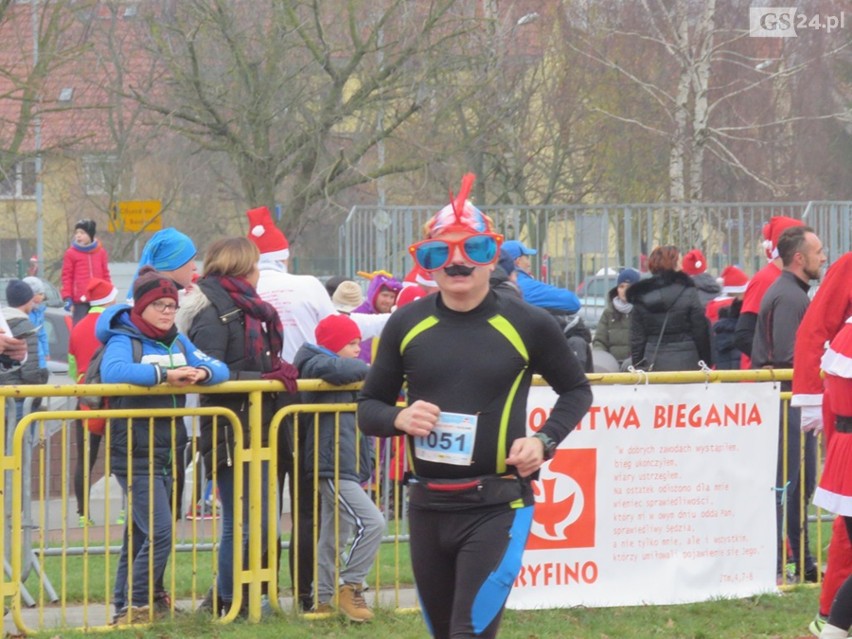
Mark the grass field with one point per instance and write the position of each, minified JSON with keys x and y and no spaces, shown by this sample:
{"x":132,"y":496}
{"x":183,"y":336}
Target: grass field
{"x":767,"y":617}
{"x":783,"y":616}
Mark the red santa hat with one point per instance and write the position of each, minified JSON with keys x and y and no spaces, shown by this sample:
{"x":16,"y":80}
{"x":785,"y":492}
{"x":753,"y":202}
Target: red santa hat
{"x":773,"y":230}
{"x":734,"y":280}
{"x":267,"y":237}
{"x":694,"y":262}
{"x":99,"y":292}
{"x":410,"y":293}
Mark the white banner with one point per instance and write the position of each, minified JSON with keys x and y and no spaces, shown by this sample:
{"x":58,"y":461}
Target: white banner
{"x":663,"y":494}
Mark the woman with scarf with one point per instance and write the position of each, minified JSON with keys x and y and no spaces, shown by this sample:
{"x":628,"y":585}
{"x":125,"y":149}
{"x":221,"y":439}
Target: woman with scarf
{"x":143,"y":461}
{"x":83,"y":260}
{"x":612,"y":334}
{"x":226,"y":318}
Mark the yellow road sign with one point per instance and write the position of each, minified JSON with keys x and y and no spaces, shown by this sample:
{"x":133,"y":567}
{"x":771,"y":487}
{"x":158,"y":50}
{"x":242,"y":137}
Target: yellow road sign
{"x":136,"y":215}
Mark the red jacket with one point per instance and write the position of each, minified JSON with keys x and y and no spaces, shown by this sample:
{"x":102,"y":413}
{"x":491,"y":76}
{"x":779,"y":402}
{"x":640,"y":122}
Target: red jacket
{"x":79,"y":266}
{"x":82,"y":344}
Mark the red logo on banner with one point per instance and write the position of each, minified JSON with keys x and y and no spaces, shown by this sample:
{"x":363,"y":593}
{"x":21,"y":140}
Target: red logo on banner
{"x":564,"y":515}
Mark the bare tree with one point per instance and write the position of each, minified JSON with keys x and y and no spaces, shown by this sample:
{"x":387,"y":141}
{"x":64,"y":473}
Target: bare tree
{"x":711,"y":70}
{"x":298,"y":94}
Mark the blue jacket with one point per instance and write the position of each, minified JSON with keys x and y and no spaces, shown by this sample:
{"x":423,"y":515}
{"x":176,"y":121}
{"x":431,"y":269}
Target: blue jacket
{"x":316,"y":362}
{"x":115,"y":330}
{"x":546,"y":295}
{"x":37,"y":318}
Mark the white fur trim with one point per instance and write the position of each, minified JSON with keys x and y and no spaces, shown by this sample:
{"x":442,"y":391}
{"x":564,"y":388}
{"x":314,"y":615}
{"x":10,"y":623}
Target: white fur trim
{"x":832,"y":502}
{"x":807,"y":400}
{"x":837,"y":364}
{"x":258,"y":230}
{"x":425,"y":282}
{"x":105,"y":300}
{"x":280,"y":255}
{"x":734,"y":289}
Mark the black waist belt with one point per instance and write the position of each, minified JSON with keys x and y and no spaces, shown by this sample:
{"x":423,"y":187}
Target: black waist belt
{"x":843,"y":424}
{"x":469,"y":492}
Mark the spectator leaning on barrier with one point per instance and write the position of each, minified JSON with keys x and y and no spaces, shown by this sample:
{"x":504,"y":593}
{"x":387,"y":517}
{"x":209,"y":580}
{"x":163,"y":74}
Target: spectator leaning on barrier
{"x":85,"y":258}
{"x":344,"y":455}
{"x":781,"y":311}
{"x":668,"y":328}
{"x":21,"y":300}
{"x":12,"y":351}
{"x":226,"y":318}
{"x":464,"y":557}
{"x":163,"y":361}
{"x":613,"y":331}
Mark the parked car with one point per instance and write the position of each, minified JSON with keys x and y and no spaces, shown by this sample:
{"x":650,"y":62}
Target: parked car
{"x":594,"y":294}
{"x":593,"y":297}
{"x":57,"y":323}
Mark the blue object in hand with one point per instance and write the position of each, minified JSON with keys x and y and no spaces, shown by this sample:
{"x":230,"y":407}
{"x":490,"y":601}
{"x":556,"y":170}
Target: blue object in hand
{"x":68,"y":304}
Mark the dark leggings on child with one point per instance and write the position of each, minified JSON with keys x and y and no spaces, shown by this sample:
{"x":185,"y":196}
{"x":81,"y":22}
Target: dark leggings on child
{"x":80,"y":433}
{"x":841,"y":607}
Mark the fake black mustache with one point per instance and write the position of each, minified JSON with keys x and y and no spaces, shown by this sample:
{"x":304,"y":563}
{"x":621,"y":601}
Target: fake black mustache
{"x":458,"y":269}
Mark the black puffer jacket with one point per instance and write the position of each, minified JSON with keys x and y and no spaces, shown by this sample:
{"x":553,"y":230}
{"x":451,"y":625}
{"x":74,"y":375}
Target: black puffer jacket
{"x":216,"y":325}
{"x":686,"y":338}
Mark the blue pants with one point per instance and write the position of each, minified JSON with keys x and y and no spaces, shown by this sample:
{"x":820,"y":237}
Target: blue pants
{"x":152,"y":537}
{"x":225,"y":484}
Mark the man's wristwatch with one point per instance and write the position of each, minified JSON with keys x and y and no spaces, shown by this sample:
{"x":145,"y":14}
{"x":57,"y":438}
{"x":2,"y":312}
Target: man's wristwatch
{"x":549,"y":445}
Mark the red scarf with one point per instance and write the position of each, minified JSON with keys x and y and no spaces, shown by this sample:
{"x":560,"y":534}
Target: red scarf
{"x":261,"y":318}
{"x":149,"y":330}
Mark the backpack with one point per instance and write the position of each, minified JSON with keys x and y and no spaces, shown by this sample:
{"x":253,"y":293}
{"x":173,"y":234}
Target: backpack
{"x":93,"y":375}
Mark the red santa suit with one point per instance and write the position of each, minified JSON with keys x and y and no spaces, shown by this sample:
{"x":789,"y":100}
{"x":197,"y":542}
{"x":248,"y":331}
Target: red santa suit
{"x":823,"y":320}
{"x":825,"y":316}
{"x":835,"y":486}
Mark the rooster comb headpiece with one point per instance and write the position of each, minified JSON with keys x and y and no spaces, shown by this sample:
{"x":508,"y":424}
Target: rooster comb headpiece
{"x":460,"y":214}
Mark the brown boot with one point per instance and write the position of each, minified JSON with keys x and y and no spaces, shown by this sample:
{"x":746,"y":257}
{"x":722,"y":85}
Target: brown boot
{"x":350,"y":601}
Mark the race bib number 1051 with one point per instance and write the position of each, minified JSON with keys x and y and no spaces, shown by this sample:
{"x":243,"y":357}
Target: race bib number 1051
{"x":450,"y":442}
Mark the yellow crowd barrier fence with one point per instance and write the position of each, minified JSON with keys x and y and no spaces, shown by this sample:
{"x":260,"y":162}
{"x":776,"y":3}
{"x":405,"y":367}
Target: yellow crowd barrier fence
{"x":59,"y":566}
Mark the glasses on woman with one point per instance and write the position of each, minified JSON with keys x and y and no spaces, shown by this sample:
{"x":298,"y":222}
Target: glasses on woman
{"x":164,"y":307}
{"x":479,"y":249}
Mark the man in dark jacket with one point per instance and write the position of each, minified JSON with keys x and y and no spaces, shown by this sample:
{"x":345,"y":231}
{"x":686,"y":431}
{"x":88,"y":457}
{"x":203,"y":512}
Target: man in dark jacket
{"x":781,"y":312}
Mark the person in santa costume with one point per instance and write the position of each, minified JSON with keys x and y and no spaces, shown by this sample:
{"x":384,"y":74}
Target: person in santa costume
{"x":759,"y":284}
{"x":834,"y":493}
{"x":824,"y":319}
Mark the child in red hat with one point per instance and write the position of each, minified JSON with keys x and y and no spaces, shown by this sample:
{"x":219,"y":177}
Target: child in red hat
{"x":343,"y":453}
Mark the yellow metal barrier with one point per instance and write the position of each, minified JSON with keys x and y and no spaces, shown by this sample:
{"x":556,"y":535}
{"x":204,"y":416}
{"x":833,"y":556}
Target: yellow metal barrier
{"x":93,"y":612}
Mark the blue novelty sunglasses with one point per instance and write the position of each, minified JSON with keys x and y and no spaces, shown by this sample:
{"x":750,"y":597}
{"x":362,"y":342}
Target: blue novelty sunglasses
{"x":479,"y":249}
